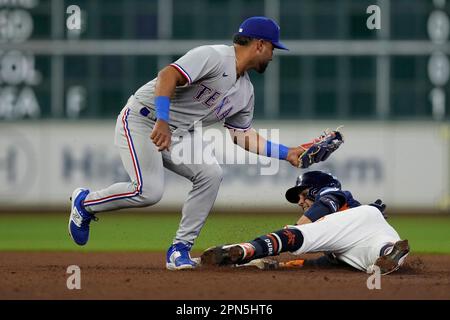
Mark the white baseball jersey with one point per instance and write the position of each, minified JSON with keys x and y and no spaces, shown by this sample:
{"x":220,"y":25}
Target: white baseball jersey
{"x":212,"y":93}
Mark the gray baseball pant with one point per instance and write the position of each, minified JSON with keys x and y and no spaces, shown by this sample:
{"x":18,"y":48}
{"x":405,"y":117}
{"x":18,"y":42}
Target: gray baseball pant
{"x":144,"y":164}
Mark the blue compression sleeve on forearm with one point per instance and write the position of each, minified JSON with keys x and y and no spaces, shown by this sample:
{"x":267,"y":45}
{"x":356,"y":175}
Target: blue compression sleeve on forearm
{"x":162,"y":104}
{"x":282,"y":150}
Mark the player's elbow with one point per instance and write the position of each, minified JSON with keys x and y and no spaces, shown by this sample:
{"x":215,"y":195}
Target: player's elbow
{"x":232,"y":135}
{"x":238,"y":137}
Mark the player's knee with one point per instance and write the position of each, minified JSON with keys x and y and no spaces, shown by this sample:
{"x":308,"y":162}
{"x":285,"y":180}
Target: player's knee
{"x":151,"y":197}
{"x":212,"y":173}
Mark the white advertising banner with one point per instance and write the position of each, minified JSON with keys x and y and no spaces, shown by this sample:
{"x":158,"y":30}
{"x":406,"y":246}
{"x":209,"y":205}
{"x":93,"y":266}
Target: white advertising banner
{"x":405,"y":164}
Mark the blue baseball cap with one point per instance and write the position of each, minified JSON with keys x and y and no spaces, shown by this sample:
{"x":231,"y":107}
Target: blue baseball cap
{"x":262,"y":28}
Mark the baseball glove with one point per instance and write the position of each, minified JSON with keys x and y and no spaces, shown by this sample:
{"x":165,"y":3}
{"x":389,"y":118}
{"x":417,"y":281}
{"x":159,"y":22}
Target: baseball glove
{"x":320,"y":148}
{"x":380,"y":205}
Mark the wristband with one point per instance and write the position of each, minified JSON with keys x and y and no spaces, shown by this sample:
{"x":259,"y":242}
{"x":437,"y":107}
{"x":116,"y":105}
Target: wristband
{"x":162,"y":104}
{"x":282,"y":150}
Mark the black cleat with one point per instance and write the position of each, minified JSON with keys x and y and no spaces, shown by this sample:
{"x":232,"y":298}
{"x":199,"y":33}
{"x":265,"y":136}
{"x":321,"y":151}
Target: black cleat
{"x":222,"y":255}
{"x":392,"y":261}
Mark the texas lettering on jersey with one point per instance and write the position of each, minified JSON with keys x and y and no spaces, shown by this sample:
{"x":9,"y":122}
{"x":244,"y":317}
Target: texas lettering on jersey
{"x":213,"y":92}
{"x":208,"y":97}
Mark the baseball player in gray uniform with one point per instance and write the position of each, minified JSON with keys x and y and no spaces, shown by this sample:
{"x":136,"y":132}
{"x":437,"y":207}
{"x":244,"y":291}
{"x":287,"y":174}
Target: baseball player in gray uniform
{"x":208,"y":84}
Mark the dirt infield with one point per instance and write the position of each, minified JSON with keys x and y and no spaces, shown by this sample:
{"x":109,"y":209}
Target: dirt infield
{"x":143,"y":276}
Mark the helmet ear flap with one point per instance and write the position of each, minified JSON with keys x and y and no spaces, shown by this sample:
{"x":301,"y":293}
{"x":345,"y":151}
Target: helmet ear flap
{"x":315,"y":181}
{"x":337,"y":184}
{"x":312,"y":193}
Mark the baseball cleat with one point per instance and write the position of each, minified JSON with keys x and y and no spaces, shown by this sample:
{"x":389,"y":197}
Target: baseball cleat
{"x":223,"y":255}
{"x":79,"y":219}
{"x":178,"y":257}
{"x":392,"y":261}
{"x":197,"y":261}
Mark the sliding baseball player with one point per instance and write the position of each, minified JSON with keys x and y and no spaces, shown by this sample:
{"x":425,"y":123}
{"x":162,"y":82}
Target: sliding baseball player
{"x":333,"y":222}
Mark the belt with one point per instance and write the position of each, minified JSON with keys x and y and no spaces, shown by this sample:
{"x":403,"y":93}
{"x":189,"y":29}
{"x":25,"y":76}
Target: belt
{"x":145,"y":111}
{"x":149,"y":113}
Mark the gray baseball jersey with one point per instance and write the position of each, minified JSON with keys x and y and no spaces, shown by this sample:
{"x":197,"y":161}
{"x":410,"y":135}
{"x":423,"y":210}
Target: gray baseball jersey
{"x":212,"y":93}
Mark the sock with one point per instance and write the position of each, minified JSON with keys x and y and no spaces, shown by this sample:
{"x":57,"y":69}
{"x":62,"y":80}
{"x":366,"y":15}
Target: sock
{"x":289,"y":239}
